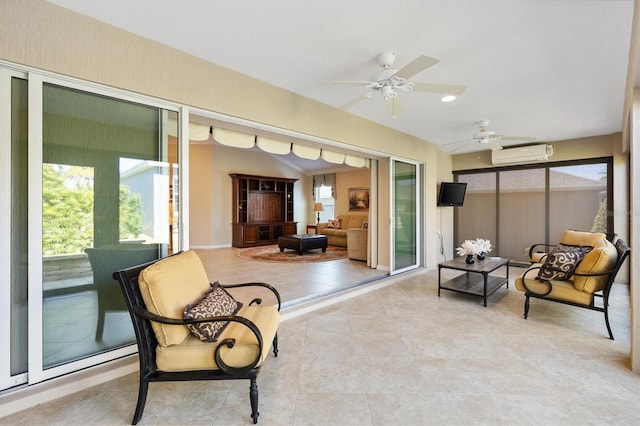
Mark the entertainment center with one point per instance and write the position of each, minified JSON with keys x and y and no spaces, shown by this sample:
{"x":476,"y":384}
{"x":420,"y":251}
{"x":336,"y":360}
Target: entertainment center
{"x":262,"y":209}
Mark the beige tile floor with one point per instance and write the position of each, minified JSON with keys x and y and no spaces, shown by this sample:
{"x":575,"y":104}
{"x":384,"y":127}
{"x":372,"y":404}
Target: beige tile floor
{"x":402,"y":355}
{"x":296,"y":282}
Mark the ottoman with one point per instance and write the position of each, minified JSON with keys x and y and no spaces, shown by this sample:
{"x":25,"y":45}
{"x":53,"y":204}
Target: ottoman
{"x":303,"y":242}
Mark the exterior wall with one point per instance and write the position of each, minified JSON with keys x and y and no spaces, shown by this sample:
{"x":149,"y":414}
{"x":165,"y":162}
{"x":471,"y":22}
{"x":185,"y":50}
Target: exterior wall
{"x":572,"y":149}
{"x":42,"y":35}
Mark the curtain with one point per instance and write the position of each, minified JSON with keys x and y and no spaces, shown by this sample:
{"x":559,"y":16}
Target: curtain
{"x":328,"y":179}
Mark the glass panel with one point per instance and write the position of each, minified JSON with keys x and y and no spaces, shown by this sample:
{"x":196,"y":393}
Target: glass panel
{"x":577,"y":199}
{"x":477,"y":216}
{"x":323,"y":194}
{"x":19,"y":236}
{"x":106,"y":205}
{"x":404,"y":206}
{"x":521,"y":212}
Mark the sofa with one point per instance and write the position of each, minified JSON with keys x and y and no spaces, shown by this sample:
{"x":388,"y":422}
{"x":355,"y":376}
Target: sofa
{"x":350,"y":231}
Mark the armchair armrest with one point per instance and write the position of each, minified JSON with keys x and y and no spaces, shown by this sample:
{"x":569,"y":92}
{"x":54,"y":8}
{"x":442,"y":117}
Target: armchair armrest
{"x":241,"y":291}
{"x":534,"y":270}
{"x":536,"y":246}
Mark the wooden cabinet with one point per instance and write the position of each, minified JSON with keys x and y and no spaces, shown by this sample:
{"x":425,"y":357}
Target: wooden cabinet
{"x":262,"y":209}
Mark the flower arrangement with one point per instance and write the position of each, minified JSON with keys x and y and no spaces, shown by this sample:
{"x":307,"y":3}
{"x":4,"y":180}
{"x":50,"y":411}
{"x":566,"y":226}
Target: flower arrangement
{"x":471,"y":247}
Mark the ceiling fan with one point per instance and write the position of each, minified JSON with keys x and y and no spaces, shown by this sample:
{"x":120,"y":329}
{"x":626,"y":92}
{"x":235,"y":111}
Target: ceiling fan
{"x":389,"y":82}
{"x":489,"y":138}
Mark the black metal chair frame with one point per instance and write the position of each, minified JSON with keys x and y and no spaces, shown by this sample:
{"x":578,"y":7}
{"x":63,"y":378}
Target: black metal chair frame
{"x":147,"y":342}
{"x":623,"y":252}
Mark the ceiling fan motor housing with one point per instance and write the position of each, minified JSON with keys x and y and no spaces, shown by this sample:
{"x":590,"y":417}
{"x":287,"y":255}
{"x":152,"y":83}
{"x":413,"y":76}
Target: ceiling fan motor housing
{"x":386,"y":59}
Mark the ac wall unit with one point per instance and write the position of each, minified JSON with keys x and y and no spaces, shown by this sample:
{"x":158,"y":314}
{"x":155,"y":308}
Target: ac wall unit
{"x":522,"y":154}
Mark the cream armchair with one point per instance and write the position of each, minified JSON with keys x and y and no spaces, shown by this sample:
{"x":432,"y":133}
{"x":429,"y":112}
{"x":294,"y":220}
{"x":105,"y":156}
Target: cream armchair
{"x":575,"y":272}
{"x":189,"y":329}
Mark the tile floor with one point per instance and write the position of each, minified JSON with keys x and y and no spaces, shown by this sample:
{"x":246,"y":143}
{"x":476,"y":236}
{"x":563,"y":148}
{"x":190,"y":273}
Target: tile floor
{"x":402,"y":355}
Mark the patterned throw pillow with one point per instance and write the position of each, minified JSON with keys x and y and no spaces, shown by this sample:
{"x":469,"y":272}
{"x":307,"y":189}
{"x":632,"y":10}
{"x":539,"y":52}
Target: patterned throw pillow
{"x":216,"y":302}
{"x":335,"y":224}
{"x":560,"y":265}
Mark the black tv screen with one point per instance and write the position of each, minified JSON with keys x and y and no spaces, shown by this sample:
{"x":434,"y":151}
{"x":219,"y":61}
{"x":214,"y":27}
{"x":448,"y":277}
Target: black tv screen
{"x":451,"y":194}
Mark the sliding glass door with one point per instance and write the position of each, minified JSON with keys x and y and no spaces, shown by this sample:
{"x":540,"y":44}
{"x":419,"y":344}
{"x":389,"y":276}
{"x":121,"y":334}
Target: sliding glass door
{"x":89,"y":185}
{"x":405,"y":226}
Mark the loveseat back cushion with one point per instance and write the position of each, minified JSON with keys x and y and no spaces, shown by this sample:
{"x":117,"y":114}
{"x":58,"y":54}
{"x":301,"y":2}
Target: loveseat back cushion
{"x":598,"y":260}
{"x":352,"y":220}
{"x":167,"y":287}
{"x":585,"y":239}
{"x":216,"y":302}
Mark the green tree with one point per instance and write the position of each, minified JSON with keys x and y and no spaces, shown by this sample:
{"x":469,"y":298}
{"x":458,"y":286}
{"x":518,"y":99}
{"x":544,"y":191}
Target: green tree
{"x":130,"y":213}
{"x":67,"y":210}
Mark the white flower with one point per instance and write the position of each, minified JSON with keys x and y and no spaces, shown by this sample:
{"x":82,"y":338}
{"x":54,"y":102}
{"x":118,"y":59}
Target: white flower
{"x":471,"y":247}
{"x":484,"y":246}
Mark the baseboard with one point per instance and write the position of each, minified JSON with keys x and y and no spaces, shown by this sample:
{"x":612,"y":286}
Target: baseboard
{"x":219,"y":246}
{"x":30,"y":396}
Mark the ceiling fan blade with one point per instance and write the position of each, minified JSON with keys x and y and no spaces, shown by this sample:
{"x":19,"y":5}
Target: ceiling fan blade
{"x":494,"y":145}
{"x":356,"y":100}
{"x":394,"y":107}
{"x":517,"y":138}
{"x":353,"y":83}
{"x":448,"y":89}
{"x":419,"y":64}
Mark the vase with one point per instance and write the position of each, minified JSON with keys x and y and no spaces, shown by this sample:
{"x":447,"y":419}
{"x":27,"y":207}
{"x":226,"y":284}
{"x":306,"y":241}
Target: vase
{"x":480,"y":255}
{"x":469,"y":259}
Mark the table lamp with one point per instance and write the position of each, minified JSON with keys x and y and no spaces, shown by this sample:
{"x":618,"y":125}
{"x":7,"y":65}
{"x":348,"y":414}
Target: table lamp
{"x":318,"y":208}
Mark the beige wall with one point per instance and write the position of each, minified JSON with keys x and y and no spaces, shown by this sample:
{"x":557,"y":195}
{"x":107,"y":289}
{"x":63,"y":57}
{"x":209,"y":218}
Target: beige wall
{"x":572,"y":149}
{"x":360,"y":178}
{"x":210,"y":191}
{"x":210,"y":200}
{"x":44,"y":36}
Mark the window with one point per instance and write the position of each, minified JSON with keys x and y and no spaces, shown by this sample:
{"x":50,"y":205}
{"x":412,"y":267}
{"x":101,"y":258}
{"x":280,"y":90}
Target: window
{"x":516,"y":207}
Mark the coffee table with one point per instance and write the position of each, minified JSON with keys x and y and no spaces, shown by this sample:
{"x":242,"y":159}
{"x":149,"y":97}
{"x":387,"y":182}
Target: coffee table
{"x":303,"y":242}
{"x":477,"y":279}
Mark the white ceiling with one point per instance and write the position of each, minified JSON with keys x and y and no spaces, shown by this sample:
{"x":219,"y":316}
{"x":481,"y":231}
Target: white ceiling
{"x":550,"y":69}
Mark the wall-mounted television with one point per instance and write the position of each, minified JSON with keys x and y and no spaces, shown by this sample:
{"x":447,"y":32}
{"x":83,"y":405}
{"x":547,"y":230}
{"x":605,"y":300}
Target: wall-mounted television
{"x":451,"y":194}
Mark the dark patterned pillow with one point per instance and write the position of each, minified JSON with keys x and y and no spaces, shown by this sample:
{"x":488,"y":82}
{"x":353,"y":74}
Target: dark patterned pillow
{"x":216,"y":302}
{"x":559,"y":265}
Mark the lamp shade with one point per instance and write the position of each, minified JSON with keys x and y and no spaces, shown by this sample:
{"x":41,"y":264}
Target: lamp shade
{"x":318,"y":207}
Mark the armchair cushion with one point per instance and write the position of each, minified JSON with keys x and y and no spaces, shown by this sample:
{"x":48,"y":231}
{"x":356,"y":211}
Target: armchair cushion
{"x":192,"y":354}
{"x":558,"y":289}
{"x":167,"y":287}
{"x":216,"y":302}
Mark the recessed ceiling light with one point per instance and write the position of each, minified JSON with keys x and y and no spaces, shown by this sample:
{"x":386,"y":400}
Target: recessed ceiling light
{"x":448,"y":98}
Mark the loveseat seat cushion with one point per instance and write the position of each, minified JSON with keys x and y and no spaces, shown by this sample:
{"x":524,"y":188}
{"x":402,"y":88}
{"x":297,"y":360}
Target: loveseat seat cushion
{"x":561,"y":289}
{"x":167,"y":287}
{"x":194,"y":354}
